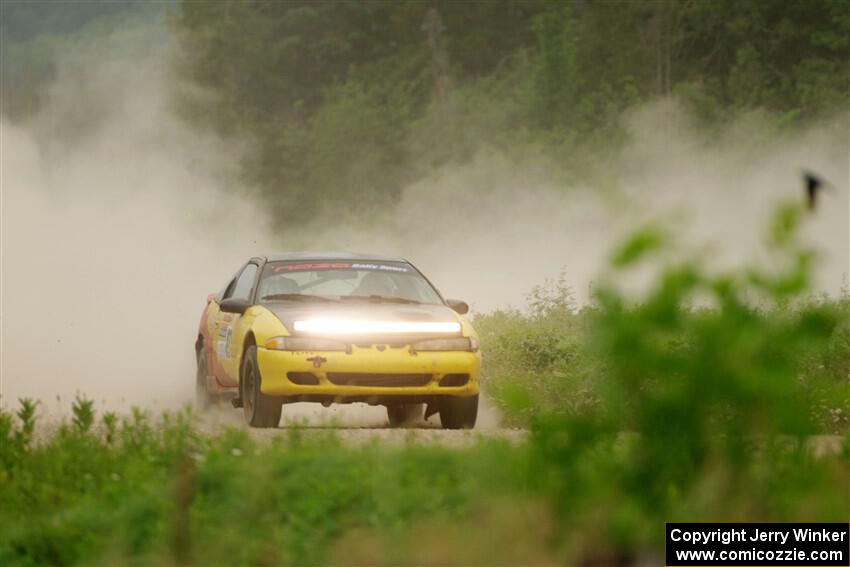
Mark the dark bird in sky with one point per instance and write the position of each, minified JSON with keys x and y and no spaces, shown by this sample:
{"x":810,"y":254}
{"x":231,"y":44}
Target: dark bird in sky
{"x":813,"y":186}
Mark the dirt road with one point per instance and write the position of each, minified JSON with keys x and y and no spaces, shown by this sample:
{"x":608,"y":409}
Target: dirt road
{"x":361,"y":423}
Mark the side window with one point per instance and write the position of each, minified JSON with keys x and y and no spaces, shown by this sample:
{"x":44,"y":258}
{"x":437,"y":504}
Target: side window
{"x":241,"y":288}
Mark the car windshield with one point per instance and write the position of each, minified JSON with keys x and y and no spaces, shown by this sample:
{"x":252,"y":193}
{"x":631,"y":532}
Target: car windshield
{"x":343,"y":280}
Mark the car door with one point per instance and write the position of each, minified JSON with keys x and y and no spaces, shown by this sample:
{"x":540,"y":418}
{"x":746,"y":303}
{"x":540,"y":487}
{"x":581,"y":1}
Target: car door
{"x":227,"y":329}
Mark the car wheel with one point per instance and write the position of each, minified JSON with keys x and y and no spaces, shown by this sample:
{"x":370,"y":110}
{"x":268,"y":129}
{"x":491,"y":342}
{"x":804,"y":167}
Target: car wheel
{"x":260,"y":410}
{"x":202,"y":395}
{"x":403,"y":414}
{"x":459,"y":412}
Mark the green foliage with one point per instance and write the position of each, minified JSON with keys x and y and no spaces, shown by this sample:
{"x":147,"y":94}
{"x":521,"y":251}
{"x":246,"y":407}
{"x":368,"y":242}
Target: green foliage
{"x":557,"y":78}
{"x":541,"y":361}
{"x":639,"y":245}
{"x":707,"y":412}
{"x":34,"y":34}
{"x":159,"y":492}
{"x":26,"y":20}
{"x":346,"y":103}
{"x":83,"y":414}
{"x":698,"y":400}
{"x":697,"y":341}
{"x":26,"y":413}
{"x":641,"y":410}
{"x":350,"y":102}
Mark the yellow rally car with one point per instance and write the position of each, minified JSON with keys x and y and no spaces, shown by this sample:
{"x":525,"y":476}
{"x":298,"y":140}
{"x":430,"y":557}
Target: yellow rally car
{"x":337,"y":328}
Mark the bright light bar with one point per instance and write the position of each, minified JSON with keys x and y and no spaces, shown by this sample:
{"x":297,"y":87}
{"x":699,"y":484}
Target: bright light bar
{"x":359,"y":327}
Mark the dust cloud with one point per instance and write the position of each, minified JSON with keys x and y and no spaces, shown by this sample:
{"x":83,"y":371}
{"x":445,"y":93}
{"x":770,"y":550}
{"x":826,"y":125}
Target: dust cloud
{"x":118,"y":219}
{"x":489,"y":231}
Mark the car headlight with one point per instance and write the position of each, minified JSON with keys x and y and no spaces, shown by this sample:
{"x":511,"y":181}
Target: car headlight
{"x":468,"y":344}
{"x":305,"y":344}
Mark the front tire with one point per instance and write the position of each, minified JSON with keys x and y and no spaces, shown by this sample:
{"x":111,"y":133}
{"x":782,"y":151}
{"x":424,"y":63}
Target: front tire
{"x":459,"y":413}
{"x":260,"y":410}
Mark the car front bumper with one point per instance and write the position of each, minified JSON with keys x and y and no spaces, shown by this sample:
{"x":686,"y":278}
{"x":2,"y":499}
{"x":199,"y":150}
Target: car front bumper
{"x":370,"y":374}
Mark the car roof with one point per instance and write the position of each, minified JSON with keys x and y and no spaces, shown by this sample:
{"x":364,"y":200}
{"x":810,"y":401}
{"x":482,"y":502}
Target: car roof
{"x":330,"y":255}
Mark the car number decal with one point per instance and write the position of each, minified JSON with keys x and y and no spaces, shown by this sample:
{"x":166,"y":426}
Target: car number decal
{"x":224,"y":345}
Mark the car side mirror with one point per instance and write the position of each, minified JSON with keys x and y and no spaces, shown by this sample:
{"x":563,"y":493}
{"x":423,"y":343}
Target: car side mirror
{"x":235,"y":305}
{"x":461,"y":307}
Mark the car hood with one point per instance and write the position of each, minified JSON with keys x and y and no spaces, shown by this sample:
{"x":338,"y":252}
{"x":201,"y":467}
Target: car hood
{"x":289,"y":312}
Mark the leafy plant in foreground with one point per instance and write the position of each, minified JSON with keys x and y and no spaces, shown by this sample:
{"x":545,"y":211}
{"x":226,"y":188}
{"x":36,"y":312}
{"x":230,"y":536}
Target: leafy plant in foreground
{"x":704,"y":412}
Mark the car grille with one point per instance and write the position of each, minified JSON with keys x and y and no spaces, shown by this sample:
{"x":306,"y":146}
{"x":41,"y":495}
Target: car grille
{"x":450,"y":380}
{"x":382,"y":380}
{"x":303,"y":378}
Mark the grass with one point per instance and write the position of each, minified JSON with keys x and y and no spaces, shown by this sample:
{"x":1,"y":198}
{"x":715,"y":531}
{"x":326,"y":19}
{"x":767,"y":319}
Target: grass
{"x":155,"y":490}
{"x":641,"y":410}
